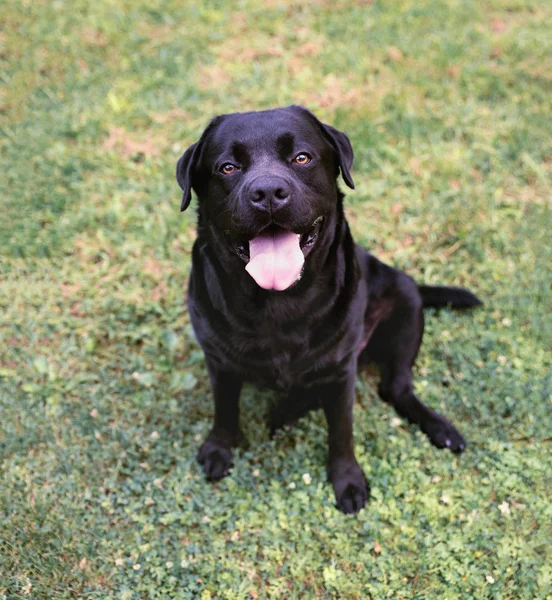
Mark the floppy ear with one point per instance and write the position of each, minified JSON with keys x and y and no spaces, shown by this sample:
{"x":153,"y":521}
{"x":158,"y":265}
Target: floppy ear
{"x":344,"y":150}
{"x":340,"y":143}
{"x":184,"y":171}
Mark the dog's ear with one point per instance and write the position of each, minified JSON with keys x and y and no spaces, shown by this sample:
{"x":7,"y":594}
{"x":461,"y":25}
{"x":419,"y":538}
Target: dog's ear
{"x":344,"y":150}
{"x":340,"y":143}
{"x":184,"y":171}
{"x":187,"y":164}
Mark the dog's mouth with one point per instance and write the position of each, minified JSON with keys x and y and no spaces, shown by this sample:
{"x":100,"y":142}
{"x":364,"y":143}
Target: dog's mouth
{"x":275,"y":256}
{"x":306,"y":240}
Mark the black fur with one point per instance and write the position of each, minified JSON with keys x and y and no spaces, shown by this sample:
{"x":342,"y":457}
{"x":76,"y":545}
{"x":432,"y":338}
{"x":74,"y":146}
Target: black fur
{"x":437,"y":296}
{"x":309,"y":340}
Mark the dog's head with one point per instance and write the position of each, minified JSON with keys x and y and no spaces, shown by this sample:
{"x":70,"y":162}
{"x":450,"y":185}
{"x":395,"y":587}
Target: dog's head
{"x":267,"y":188}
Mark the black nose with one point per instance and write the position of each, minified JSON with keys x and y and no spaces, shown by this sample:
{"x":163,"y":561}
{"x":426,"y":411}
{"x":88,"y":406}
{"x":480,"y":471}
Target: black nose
{"x":269,"y":193}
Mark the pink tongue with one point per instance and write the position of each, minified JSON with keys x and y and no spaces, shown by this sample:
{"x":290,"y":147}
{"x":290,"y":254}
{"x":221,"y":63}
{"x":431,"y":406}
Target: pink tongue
{"x":275,"y":259}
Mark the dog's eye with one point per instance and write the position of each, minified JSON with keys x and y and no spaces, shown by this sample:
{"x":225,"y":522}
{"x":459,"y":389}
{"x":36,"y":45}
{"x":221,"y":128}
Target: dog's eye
{"x":302,"y":159}
{"x":228,"y":168}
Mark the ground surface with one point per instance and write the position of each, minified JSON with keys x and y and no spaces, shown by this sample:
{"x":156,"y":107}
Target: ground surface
{"x":103,"y":391}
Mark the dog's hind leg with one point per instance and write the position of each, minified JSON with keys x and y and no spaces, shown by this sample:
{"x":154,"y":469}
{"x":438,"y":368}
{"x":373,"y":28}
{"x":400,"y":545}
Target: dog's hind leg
{"x":394,"y":346}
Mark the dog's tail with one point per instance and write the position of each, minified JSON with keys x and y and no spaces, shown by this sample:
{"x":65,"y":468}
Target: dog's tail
{"x":437,"y":296}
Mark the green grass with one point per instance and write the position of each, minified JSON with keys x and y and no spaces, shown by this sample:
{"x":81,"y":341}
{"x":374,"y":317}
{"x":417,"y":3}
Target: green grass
{"x":104,"y":396}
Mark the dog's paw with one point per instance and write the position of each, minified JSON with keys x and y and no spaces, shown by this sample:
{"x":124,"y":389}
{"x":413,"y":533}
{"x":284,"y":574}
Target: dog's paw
{"x":350,"y":486}
{"x":443,"y":434}
{"x":216,"y":459}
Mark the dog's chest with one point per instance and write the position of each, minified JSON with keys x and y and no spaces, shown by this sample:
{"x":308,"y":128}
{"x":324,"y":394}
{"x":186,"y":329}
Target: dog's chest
{"x":276,"y":356}
{"x":284,"y":355}
{"x":275,"y":341}
{"x":269,"y":353}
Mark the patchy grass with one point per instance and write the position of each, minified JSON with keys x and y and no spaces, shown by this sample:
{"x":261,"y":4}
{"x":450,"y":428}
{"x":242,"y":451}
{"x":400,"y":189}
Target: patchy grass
{"x":104,"y":396}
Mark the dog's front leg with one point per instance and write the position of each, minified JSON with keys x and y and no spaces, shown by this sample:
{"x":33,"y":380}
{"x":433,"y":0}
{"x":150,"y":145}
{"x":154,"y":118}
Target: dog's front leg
{"x":216,"y":452}
{"x":350,"y":485}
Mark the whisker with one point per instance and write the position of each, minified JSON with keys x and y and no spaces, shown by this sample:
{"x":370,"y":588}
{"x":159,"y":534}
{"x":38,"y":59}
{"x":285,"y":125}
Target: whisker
{"x":224,"y":211}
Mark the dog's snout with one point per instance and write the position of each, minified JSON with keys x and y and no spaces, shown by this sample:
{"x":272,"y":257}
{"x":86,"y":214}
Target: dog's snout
{"x":269,"y":193}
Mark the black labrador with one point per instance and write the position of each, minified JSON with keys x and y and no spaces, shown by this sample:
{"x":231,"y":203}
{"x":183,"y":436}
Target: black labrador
{"x":281,"y":295}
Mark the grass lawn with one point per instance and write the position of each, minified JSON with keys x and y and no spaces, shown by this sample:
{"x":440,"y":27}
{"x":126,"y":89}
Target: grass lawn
{"x":104,"y":396}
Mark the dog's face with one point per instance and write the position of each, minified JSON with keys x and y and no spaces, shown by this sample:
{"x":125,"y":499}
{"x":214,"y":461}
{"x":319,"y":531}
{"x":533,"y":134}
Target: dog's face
{"x":266,"y":183}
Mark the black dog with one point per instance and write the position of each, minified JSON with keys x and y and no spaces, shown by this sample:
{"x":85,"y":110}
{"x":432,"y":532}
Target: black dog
{"x":280,"y":295}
